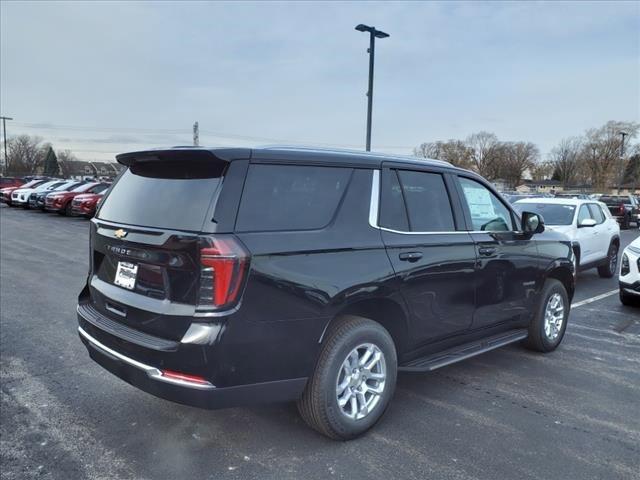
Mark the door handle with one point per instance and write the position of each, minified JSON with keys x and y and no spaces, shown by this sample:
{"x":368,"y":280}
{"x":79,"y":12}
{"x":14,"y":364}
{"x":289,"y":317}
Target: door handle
{"x":487,"y":251}
{"x":410,"y":256}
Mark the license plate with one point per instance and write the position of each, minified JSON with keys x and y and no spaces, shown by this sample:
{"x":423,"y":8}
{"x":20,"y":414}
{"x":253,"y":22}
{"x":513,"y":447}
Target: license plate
{"x":126,"y":275}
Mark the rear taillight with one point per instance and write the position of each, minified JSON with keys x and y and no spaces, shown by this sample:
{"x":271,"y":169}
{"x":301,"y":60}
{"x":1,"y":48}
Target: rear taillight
{"x":621,"y":209}
{"x":223,"y":266}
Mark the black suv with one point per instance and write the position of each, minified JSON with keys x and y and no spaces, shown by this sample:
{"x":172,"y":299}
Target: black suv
{"x":224,"y":277}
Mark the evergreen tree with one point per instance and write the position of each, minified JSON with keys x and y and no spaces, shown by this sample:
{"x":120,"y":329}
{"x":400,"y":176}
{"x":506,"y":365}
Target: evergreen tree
{"x":632,"y":172}
{"x":51,"y":168}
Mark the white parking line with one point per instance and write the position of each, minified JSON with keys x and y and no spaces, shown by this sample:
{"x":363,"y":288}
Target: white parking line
{"x":594,"y":299}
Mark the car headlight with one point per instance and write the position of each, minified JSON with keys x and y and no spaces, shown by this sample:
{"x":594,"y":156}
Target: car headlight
{"x":624,"y":268}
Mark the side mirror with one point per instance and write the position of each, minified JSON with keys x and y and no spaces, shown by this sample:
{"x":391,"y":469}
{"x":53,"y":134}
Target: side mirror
{"x":587,"y":222}
{"x":532,"y":223}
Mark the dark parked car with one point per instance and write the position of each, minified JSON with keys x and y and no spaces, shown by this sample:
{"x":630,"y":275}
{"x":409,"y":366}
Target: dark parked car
{"x":226,"y":277}
{"x":61,"y":201}
{"x":625,"y":209}
{"x":36,"y":200}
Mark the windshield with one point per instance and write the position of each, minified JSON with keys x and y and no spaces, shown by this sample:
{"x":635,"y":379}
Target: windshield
{"x":165,"y":194}
{"x":32,"y":183}
{"x":66,"y":186}
{"x":84,"y":187}
{"x":553,"y":214}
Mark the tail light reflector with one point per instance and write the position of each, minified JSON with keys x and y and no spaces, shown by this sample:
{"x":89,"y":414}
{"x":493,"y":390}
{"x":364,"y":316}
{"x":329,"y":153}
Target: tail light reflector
{"x":183,"y":377}
{"x":224,"y":262}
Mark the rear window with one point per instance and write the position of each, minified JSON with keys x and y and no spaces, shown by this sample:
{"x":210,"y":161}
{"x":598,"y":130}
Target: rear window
{"x":553,"y":214}
{"x":167,"y":194}
{"x":288,"y":197}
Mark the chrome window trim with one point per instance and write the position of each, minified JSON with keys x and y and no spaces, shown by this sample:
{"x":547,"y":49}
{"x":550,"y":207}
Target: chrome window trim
{"x":374,"y":209}
{"x":152,"y":372}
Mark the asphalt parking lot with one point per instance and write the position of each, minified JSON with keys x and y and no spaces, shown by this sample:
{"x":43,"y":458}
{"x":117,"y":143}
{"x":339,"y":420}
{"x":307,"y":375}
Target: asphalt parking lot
{"x":511,"y":413}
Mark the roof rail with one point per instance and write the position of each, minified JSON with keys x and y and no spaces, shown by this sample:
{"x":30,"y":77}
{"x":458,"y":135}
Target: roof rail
{"x":351,"y":151}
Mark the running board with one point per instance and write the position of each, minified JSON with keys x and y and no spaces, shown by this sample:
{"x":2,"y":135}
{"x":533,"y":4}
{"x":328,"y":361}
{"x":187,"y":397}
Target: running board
{"x":462,"y":352}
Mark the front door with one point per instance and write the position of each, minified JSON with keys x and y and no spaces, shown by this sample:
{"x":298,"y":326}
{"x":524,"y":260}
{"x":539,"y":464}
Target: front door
{"x":507,"y":266}
{"x":433,"y":259}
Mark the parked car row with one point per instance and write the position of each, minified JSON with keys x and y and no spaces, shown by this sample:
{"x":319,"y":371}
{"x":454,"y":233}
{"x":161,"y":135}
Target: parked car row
{"x":64,"y":196}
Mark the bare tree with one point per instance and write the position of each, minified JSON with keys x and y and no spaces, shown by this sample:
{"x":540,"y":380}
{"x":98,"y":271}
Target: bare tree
{"x":513,"y":159}
{"x":452,"y":151}
{"x":65,"y":157}
{"x":485,"y":150}
{"x":602,"y":154}
{"x":565,"y":159}
{"x":541,"y":170}
{"x":25,"y":154}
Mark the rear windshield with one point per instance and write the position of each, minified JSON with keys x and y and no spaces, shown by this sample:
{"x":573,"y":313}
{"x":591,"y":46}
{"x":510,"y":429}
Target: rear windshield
{"x":552,"y":214}
{"x":616,"y":200}
{"x":167,"y":194}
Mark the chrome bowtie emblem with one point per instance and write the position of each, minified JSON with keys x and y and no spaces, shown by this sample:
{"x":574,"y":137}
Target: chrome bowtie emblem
{"x":120,"y":233}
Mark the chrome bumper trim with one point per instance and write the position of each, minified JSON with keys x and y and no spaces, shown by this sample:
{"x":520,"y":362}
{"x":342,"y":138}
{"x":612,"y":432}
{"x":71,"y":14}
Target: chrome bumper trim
{"x":151,"y":371}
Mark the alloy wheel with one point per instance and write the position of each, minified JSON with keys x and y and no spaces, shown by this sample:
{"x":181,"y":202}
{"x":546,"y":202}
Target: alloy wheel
{"x":361,"y":381}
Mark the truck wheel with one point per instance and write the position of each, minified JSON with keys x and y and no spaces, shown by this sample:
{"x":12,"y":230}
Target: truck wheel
{"x":549,"y":323}
{"x":609,"y":269}
{"x":353,"y":381}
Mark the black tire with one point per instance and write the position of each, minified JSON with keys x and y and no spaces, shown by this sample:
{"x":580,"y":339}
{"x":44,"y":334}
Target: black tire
{"x":319,"y":403}
{"x":538,"y":339}
{"x":625,"y":223}
{"x":66,"y":210}
{"x":611,"y":267}
{"x":629,"y":300}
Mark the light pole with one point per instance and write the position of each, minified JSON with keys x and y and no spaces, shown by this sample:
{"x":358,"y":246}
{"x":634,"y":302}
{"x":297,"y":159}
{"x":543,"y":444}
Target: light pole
{"x":621,"y":178}
{"x":4,"y":130}
{"x":373,"y":34}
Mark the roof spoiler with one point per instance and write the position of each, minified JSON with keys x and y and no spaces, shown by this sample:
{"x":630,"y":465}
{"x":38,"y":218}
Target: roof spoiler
{"x":183,"y":153}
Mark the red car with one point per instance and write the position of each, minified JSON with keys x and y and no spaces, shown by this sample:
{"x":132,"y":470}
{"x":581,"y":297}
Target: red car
{"x":8,"y":182}
{"x":85,"y":204}
{"x":61,"y":201}
{"x":5,"y":192}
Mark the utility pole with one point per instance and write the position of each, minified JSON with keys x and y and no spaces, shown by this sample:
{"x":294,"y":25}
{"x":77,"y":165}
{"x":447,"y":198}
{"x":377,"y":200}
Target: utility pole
{"x":196,"y":135}
{"x":621,"y":178}
{"x":373,"y":34}
{"x":4,"y":129}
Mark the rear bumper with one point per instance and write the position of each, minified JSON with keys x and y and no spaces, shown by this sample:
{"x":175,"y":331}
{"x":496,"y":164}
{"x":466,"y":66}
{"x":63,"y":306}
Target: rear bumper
{"x":148,"y":379}
{"x":145,"y":372}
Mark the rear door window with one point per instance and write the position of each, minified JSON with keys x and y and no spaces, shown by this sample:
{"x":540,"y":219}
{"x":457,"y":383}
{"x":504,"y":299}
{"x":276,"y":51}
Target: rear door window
{"x":164,"y":194}
{"x":427,"y":201}
{"x":290,"y":197}
{"x":393,"y":213}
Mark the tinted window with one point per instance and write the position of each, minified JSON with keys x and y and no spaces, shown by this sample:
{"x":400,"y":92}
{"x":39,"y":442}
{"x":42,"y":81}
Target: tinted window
{"x":488,"y":213}
{"x":99,"y":188}
{"x":393,"y":213}
{"x":427,"y":201}
{"x":553,"y":214}
{"x":596,"y":213}
{"x":583,"y":214}
{"x":288,"y":197}
{"x":154,"y":194}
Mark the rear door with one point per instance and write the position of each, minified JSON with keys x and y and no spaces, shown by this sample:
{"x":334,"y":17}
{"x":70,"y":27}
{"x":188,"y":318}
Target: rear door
{"x":433,"y":257}
{"x":507,"y":266}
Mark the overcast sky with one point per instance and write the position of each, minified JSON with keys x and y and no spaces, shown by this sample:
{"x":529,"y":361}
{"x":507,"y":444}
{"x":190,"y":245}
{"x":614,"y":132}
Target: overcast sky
{"x":102,"y":78}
